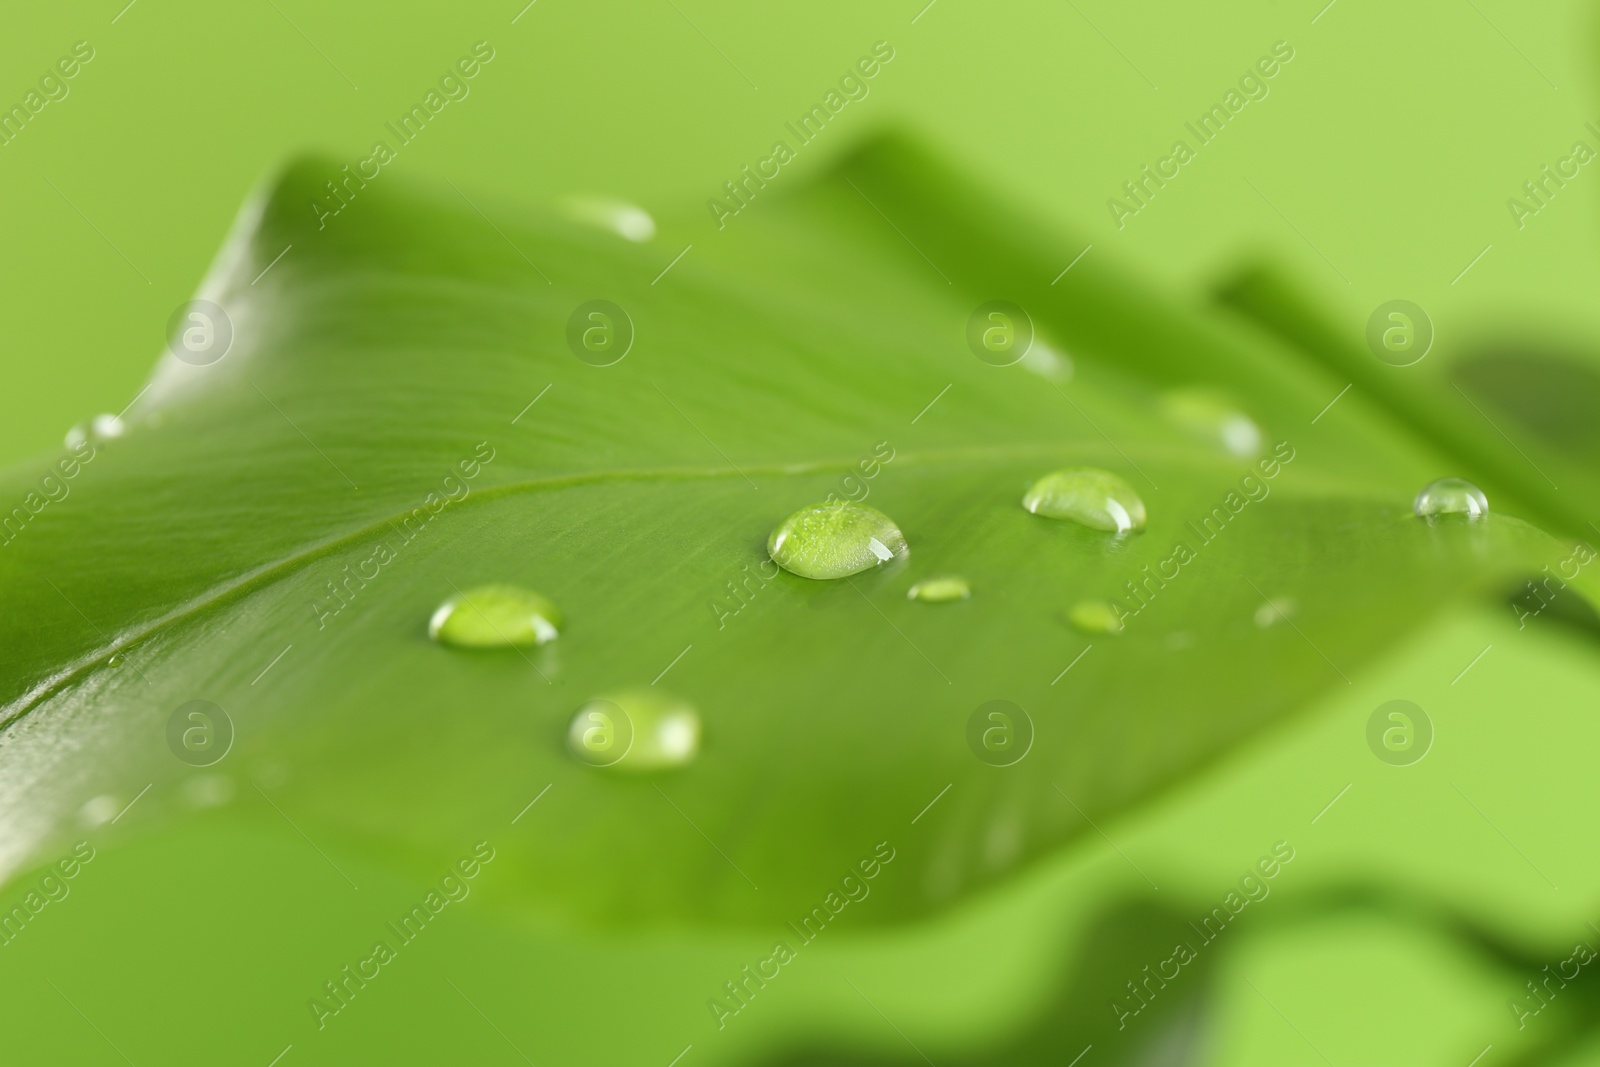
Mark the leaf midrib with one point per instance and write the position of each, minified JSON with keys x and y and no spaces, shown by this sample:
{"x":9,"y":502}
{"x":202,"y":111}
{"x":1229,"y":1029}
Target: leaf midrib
{"x":219,"y":596}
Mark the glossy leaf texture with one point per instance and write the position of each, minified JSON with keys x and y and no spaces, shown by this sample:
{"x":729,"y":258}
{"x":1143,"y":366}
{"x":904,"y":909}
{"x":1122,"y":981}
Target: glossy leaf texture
{"x":401,"y":418}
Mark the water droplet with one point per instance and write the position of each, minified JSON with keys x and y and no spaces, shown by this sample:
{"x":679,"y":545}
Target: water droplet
{"x":1095,"y":498}
{"x":1047,"y":362}
{"x":835,"y":540}
{"x":939,"y":590}
{"x":1002,"y":843}
{"x":99,"y":428}
{"x":1278,"y":609}
{"x":208,"y":790}
{"x":494,"y":616}
{"x":271,"y":774}
{"x":116,"y":660}
{"x":635,"y":730}
{"x":1096,"y":617}
{"x":99,"y":810}
{"x":618,"y":216}
{"x":1210,"y":415}
{"x":1450,"y":496}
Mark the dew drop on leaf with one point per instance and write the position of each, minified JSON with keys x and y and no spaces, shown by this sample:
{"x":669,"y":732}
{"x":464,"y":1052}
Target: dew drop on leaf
{"x":835,"y":541}
{"x":1095,"y":617}
{"x":208,"y":790}
{"x":620,"y":217}
{"x":97,"y":811}
{"x":1095,"y":498}
{"x":1278,"y":609}
{"x":495,"y":616}
{"x":635,"y":730}
{"x":1450,"y":496}
{"x":1048,"y":363}
{"x":941,"y":589}
{"x":98,"y":429}
{"x":1209,"y":415}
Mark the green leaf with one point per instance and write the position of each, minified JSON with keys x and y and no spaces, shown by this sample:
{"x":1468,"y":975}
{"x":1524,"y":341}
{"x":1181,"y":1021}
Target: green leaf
{"x":1091,"y":1005}
{"x":1515,"y":415}
{"x":400,"y":419}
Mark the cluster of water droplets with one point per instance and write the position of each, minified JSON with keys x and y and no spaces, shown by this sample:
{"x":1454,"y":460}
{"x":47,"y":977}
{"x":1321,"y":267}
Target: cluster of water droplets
{"x":97,"y":430}
{"x":635,"y":730}
{"x":646,"y":729}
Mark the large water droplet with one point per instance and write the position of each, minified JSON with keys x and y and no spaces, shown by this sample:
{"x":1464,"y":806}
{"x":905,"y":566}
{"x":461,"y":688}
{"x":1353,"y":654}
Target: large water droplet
{"x":941,"y":589}
{"x":1098,"y":499}
{"x":1451,"y":496}
{"x":495,"y":616}
{"x":1096,"y":617}
{"x":1210,"y":415}
{"x":618,"y":216}
{"x":635,"y":730}
{"x":100,"y":428}
{"x":835,"y":541}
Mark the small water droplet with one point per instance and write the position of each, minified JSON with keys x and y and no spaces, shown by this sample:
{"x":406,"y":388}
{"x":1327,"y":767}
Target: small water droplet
{"x":939,"y":590}
{"x":835,"y":541}
{"x":1002,"y":843}
{"x":635,"y":730}
{"x":99,"y":810}
{"x":271,"y":774}
{"x":1276,"y":610}
{"x":1212,"y":416}
{"x":495,"y":616}
{"x":1450,"y":496}
{"x":116,"y":660}
{"x":208,"y":790}
{"x":1096,"y":617}
{"x":620,"y":217}
{"x":100,"y":428}
{"x":1047,"y":362}
{"x":1094,"y":498}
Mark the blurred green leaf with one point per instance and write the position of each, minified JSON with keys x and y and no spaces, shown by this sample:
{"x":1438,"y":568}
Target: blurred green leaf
{"x":1516,"y":417}
{"x":1092,"y":1008}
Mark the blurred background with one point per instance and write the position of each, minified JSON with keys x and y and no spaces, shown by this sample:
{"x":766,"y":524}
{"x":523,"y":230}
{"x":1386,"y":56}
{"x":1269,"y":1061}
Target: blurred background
{"x":1379,"y":166}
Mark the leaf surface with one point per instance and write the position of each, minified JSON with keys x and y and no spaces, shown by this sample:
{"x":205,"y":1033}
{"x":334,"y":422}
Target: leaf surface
{"x":400,"y":418}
